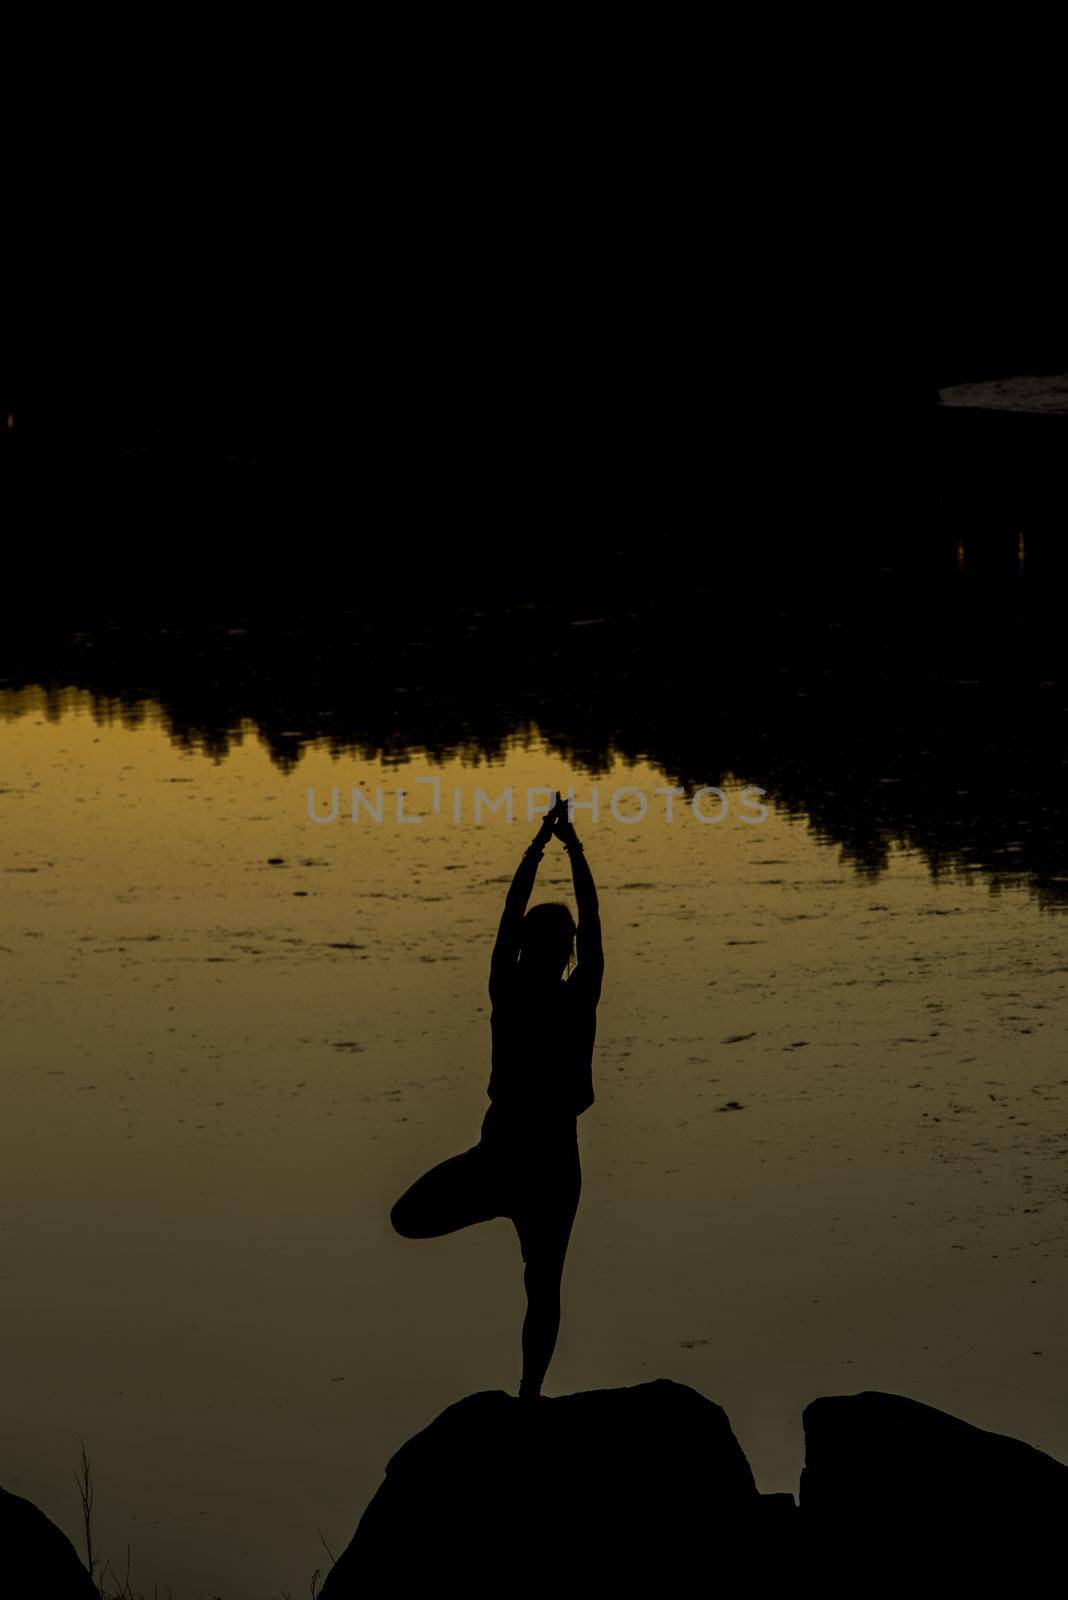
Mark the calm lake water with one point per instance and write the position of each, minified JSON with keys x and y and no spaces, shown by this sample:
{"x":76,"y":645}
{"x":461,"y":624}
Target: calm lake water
{"x":826,"y":1153}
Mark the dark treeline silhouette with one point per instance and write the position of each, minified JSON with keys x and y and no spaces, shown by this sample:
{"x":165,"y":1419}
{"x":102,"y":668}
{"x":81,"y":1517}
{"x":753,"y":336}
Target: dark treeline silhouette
{"x":647,"y":328}
{"x":207,"y":467}
{"x":889,"y":688}
{"x":514,"y":368}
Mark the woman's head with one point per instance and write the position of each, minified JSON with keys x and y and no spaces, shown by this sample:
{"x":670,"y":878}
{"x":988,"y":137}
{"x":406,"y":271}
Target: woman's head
{"x":547,"y":937}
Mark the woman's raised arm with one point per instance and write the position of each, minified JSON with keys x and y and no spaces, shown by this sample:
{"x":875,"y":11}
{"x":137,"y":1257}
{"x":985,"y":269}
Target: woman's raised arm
{"x":589,"y":968}
{"x":506,"y":948}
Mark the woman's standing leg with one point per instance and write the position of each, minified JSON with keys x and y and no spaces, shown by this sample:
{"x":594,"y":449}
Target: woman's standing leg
{"x":544,"y":1223}
{"x":452,"y":1195}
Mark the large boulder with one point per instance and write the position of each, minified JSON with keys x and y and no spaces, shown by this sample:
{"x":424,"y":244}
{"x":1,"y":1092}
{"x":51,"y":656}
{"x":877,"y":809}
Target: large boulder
{"x":894,"y":1487}
{"x":605,"y":1485}
{"x":38,"y":1559}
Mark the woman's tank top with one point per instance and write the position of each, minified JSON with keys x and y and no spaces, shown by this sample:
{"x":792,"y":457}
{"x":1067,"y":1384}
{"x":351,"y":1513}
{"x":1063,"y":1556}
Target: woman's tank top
{"x":541,"y":1077}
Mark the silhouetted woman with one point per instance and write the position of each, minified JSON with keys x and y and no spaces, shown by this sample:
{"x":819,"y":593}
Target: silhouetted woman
{"x":526,"y":1163}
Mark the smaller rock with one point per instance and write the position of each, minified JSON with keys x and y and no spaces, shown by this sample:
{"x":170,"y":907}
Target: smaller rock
{"x":38,"y":1559}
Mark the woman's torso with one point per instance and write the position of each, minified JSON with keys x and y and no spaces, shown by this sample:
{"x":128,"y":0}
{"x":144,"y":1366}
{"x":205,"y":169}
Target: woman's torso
{"x":541,"y":1074}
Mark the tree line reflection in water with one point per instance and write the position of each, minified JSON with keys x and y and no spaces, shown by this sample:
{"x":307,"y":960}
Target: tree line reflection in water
{"x":906,"y":693}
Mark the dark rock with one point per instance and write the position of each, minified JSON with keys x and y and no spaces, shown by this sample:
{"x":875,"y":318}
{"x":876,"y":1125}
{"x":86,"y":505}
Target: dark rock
{"x":888,"y":1477}
{"x":37,"y":1558}
{"x":647,"y":1489}
{"x":607,"y":1485}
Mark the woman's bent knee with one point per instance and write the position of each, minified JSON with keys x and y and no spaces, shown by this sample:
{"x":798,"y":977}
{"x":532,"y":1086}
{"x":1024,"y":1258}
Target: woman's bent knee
{"x":401,"y":1218}
{"x":455,"y":1193}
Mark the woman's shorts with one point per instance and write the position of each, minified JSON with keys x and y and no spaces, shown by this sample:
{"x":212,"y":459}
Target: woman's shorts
{"x":539,"y":1184}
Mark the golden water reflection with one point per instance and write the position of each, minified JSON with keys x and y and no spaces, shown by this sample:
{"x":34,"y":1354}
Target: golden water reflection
{"x":826,"y":1152}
